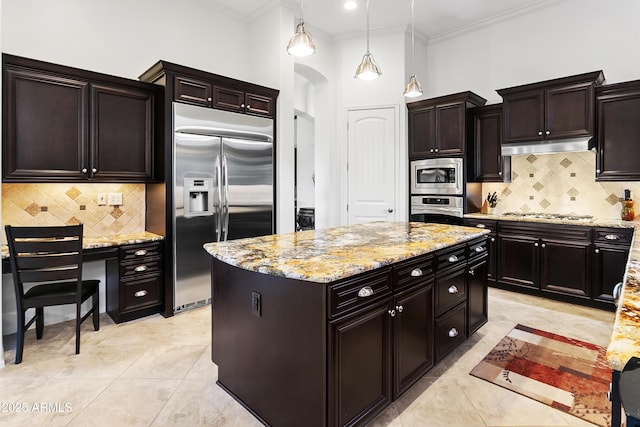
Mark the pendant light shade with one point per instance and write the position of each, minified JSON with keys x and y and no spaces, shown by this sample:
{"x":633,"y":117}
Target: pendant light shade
{"x":301,"y":43}
{"x":368,"y":68}
{"x":413,"y":88}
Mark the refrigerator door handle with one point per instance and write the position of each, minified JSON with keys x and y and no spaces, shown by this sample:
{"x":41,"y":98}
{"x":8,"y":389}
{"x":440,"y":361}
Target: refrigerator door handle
{"x":218,"y":194}
{"x":225,"y":200}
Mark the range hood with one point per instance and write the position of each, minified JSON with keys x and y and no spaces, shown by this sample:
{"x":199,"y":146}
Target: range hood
{"x":548,"y":147}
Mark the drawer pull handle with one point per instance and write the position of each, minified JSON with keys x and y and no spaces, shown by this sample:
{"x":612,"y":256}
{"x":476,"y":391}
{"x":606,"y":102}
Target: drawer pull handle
{"x":416,"y":272}
{"x":140,"y":252}
{"x":140,"y":268}
{"x":453,"y":332}
{"x":399,"y":308}
{"x":612,"y":237}
{"x":392,"y":313}
{"x":453,"y":258}
{"x":140,"y":294}
{"x":480,"y":249}
{"x":365,"y":292}
{"x":453,"y":289}
{"x":481,"y":226}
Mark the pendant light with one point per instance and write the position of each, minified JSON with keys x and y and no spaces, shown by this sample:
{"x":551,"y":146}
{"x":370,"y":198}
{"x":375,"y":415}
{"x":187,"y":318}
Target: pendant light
{"x":301,"y":43}
{"x":413,"y":88}
{"x":350,"y":4}
{"x":368,"y":69}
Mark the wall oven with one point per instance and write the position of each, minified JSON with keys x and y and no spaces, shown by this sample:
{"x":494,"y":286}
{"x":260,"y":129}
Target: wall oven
{"x":437,"y":190}
{"x":437,"y":176}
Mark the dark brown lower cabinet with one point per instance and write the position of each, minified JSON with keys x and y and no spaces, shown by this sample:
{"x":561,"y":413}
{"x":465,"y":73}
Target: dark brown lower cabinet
{"x":360,"y":365}
{"x":477,"y":293}
{"x":566,"y":267}
{"x":518,"y":260}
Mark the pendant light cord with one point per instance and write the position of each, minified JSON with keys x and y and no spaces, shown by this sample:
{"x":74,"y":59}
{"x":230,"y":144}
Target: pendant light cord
{"x":367,"y":27}
{"x":301,"y":7}
{"x":413,"y":41}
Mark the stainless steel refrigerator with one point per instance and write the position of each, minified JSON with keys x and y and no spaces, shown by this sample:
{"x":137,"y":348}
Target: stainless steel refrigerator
{"x":223,"y":190}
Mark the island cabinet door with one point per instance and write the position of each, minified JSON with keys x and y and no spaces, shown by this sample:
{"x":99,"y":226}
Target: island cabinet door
{"x":360,"y":365}
{"x":413,"y":336}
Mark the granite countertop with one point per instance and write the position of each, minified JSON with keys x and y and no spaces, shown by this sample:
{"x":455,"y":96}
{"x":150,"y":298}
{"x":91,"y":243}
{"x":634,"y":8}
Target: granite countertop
{"x":595,"y":222}
{"x":89,"y":242}
{"x":327,"y":255}
{"x":625,"y":338}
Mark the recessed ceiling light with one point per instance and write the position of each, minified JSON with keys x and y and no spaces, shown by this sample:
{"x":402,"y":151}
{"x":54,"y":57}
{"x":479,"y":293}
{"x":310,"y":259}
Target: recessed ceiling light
{"x":350,"y":4}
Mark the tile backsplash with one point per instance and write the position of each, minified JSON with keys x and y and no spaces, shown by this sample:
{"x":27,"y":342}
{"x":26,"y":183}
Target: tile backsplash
{"x":559,"y":183}
{"x":63,"y":204}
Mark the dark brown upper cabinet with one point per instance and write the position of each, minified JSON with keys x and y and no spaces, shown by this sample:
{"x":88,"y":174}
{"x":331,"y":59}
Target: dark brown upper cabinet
{"x":550,"y":110}
{"x":618,"y":132}
{"x":438,"y":126}
{"x":486,"y":162}
{"x":197,"y":87}
{"x":63,"y":124}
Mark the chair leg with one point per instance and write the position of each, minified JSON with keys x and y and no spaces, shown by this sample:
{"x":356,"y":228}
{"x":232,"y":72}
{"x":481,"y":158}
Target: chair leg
{"x":39,"y":322}
{"x":78,"y":317}
{"x":96,"y":311}
{"x":20,"y":337}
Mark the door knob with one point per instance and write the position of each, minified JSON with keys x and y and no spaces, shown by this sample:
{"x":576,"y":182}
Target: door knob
{"x":390,"y":210}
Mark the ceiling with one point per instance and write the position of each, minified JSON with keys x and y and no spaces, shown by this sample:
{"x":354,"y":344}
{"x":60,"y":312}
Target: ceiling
{"x":433,"y":18}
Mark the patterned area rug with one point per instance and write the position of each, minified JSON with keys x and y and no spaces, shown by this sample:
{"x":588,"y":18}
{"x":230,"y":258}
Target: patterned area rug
{"x":566,"y":374}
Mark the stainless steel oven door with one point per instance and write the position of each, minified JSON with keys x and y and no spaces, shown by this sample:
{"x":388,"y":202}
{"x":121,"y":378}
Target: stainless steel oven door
{"x":437,"y":205}
{"x":437,"y":176}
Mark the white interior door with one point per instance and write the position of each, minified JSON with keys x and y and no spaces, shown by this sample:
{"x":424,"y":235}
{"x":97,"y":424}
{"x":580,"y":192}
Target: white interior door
{"x":371,"y":168}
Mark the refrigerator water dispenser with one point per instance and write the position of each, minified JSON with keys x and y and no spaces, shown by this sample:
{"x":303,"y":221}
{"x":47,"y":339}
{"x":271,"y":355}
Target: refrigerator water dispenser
{"x":198,"y":193}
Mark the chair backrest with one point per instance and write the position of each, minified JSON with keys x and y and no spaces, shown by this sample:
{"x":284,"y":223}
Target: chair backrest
{"x":45,"y":254}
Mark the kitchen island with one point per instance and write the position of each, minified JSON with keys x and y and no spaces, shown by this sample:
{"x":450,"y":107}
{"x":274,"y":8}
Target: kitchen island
{"x":328,"y":327}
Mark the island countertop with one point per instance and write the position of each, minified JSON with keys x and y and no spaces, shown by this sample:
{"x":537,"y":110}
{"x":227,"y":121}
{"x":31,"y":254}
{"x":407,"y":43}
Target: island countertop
{"x":326,"y":255}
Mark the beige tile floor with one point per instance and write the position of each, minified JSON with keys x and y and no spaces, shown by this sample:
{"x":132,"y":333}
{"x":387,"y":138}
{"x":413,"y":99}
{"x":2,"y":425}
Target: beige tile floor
{"x":157,"y":372}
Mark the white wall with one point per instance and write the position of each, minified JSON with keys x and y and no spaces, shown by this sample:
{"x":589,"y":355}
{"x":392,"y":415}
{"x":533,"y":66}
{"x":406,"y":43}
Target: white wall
{"x":557,"y":40}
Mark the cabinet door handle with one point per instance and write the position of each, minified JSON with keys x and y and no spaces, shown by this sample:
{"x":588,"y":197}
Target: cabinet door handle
{"x":597,"y":251}
{"x":481,"y":226}
{"x":453,"y":289}
{"x":241,"y":105}
{"x":140,"y":294}
{"x":540,"y":133}
{"x":453,"y":258}
{"x":84,"y":170}
{"x":209,"y":99}
{"x":365,"y":292}
{"x":480,"y":249}
{"x":453,"y":332}
{"x":544,"y":245}
{"x":392,"y":313}
{"x":416,"y":272}
{"x":597,"y":170}
{"x":493,"y":239}
{"x":431,"y":150}
{"x":548,"y":132}
{"x":436,"y":150}
{"x":140,"y":268}
{"x":399,"y":308}
{"x":500,"y":173}
{"x":536,"y":245}
{"x":94,"y":170}
{"x":140,"y":252}
{"x":472,"y":272}
{"x":612,"y":237}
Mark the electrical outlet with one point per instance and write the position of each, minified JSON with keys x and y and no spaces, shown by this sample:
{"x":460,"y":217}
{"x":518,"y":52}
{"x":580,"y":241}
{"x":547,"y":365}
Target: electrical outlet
{"x":102,"y":199}
{"x":115,"y":199}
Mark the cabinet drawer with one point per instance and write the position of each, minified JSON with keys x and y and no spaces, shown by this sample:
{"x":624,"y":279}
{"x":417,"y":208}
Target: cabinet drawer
{"x":142,"y":267}
{"x":351,"y":294}
{"x":613,"y":236}
{"x":480,"y":223}
{"x":478,"y":248}
{"x":141,"y":293}
{"x":450,"y":330}
{"x":450,"y":289}
{"x":412,"y":272}
{"x":452,"y":258}
{"x":131,"y":252}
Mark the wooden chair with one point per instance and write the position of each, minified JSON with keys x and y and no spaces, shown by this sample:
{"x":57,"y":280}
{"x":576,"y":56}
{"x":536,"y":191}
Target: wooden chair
{"x":49,"y":259}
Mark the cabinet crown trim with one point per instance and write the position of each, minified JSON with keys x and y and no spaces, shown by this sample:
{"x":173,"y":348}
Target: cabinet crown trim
{"x":594,"y":77}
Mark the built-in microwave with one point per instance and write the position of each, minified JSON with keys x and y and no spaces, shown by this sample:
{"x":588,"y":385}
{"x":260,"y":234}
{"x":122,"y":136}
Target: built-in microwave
{"x":437,"y":176}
